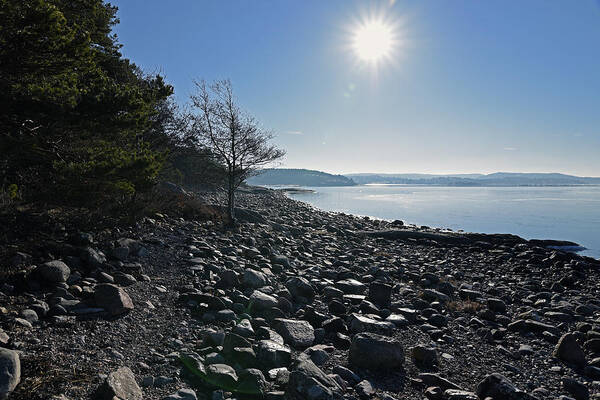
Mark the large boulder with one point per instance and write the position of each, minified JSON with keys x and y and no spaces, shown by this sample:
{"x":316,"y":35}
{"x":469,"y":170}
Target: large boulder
{"x":300,"y":288}
{"x":113,"y":299}
{"x":424,"y":356}
{"x":307,"y":381}
{"x":380,"y":294}
{"x":360,"y":323}
{"x":254,"y":279}
{"x":10,"y":371}
{"x":497,"y":387}
{"x":568,"y":350}
{"x":297,"y":333}
{"x":271,"y":354}
{"x":369,"y":350}
{"x":119,"y":384}
{"x":54,"y":271}
{"x":260,"y":301}
{"x":222,"y":375}
{"x":251,"y":381}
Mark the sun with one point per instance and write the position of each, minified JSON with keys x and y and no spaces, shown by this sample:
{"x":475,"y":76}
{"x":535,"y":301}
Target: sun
{"x":373,"y":40}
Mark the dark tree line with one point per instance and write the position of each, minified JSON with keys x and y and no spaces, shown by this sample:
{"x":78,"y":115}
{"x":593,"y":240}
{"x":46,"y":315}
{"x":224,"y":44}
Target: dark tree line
{"x":73,"y":110}
{"x":79,"y":123}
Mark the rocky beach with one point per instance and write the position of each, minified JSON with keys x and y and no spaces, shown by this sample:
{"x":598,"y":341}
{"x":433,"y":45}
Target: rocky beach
{"x":294,"y":303}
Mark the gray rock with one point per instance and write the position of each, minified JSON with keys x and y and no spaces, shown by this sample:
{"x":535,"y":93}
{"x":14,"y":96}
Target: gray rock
{"x":120,"y":384}
{"x":93,"y":258}
{"x":121,"y":253}
{"x":254,"y":279}
{"x":300,"y":288}
{"x":29,"y":315}
{"x":576,"y":389}
{"x":380,"y":294}
{"x":568,"y":350}
{"x":307,"y":381}
{"x":496,"y":305}
{"x":251,"y":381}
{"x":244,"y":328}
{"x":454,"y":394}
{"x":54,"y":271}
{"x":424,"y":356}
{"x":222,"y":375}
{"x":351,"y":286}
{"x":369,"y":350}
{"x":10,"y":371}
{"x":260,"y":301}
{"x":434,"y":295}
{"x":431,"y":379}
{"x":297,"y":333}
{"x":187,"y":394}
{"x":124,"y":279}
{"x":360,"y":323}
{"x":271,"y":354}
{"x":113,"y":299}
{"x":364,"y":389}
{"x":347,"y":375}
{"x":182,"y":394}
{"x":280,"y":260}
{"x":497,"y":386}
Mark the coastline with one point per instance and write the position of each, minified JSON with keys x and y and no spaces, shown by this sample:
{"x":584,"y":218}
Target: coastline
{"x":313,"y":283}
{"x":346,"y":200}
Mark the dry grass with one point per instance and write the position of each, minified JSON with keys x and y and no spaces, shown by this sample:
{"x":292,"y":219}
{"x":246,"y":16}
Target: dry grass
{"x":41,"y":377}
{"x":467,"y":306}
{"x":178,"y":205}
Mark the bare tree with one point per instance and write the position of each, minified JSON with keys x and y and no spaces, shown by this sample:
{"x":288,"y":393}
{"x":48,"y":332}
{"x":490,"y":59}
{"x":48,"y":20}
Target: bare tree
{"x":235,"y":137}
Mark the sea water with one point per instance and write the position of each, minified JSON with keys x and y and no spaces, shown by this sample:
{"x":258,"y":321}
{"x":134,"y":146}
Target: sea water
{"x":563,"y":213}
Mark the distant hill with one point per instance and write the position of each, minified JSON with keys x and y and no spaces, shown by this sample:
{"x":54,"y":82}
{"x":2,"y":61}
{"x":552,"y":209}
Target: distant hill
{"x":298,"y":177}
{"x":495,"y":179}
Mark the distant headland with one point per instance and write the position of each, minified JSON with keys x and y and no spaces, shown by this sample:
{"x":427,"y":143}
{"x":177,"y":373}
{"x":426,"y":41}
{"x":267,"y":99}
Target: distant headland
{"x":307,"y":177}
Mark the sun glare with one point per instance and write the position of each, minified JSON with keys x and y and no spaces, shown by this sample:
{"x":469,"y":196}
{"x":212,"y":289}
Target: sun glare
{"x":373,"y":41}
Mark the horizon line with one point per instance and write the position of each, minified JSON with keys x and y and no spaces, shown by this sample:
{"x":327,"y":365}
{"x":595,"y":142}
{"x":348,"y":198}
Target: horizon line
{"x":446,"y":173}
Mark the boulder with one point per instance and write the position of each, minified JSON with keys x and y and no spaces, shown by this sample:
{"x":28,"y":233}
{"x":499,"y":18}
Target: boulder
{"x":260,"y":301}
{"x":497,"y":387}
{"x":454,"y":394}
{"x":251,"y":381}
{"x":297,"y":333}
{"x":307,"y":381}
{"x":271,"y":354}
{"x":300,"y":288}
{"x":568,"y":350}
{"x":360,"y":323}
{"x":575,"y":388}
{"x":424,"y":356}
{"x":10,"y":371}
{"x":254,"y":279}
{"x":380,"y":294}
{"x":54,"y":271}
{"x":222,"y":375}
{"x":119,"y":384}
{"x":369,"y":350}
{"x":113,"y":299}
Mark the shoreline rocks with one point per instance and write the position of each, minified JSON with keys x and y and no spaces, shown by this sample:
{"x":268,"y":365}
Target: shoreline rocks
{"x":298,"y":303}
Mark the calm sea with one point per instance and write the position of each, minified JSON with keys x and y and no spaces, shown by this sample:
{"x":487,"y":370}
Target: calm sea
{"x":564,"y":213}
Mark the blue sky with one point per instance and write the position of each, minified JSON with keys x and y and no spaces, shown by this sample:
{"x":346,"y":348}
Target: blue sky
{"x":470,"y":86}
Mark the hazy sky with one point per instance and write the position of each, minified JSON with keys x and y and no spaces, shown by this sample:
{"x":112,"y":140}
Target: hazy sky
{"x":470,"y":86}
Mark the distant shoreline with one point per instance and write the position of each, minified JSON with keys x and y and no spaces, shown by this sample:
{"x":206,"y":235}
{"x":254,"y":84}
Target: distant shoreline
{"x":440,"y":227}
{"x":476,"y":186}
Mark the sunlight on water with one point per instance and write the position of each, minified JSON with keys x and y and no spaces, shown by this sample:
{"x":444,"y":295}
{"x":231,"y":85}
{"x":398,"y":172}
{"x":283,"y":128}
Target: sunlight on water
{"x":564,"y":213}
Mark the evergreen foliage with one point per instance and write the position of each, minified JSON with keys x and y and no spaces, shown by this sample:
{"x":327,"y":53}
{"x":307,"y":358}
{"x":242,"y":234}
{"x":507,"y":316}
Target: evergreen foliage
{"x":74,"y":112}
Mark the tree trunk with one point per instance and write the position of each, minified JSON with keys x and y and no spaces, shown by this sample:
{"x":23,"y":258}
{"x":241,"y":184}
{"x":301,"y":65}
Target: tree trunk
{"x":231,"y":204}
